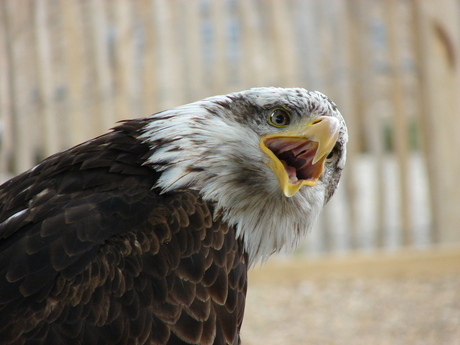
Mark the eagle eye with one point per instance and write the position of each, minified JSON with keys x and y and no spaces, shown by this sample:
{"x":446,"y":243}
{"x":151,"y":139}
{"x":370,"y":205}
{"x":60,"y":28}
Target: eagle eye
{"x":279,"y":118}
{"x":332,"y":156}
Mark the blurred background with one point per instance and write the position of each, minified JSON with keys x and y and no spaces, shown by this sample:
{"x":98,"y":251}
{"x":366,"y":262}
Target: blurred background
{"x":70,"y":69}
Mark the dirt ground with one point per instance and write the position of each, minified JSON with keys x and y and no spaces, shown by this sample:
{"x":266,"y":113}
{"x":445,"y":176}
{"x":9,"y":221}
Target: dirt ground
{"x":406,"y":297}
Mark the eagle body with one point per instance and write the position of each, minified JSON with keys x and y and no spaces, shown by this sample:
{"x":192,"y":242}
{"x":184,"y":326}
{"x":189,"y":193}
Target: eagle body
{"x":144,"y":235}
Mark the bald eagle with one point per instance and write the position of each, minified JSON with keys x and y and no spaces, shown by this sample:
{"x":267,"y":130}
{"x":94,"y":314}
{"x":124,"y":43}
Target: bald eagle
{"x":144,"y":235}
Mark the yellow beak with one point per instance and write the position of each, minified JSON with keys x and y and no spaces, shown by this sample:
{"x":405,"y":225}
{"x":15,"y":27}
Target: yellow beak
{"x":297,"y":156}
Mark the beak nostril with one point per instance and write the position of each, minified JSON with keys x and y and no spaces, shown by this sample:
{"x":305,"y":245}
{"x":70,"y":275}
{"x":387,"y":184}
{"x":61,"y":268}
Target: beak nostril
{"x":317,"y":121}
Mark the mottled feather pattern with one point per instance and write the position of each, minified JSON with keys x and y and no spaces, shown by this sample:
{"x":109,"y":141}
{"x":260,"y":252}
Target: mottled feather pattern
{"x":92,"y":254}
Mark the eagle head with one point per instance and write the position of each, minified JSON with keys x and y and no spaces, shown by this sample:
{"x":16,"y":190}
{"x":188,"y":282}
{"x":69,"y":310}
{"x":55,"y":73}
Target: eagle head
{"x":268,"y":159}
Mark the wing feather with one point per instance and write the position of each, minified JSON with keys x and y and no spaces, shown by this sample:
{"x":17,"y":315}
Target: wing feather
{"x":91,"y":252}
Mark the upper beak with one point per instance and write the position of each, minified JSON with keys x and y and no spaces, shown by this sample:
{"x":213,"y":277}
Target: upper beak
{"x":297,"y":156}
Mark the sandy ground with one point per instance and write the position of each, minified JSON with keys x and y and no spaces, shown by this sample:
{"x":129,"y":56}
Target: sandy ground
{"x":405,"y":297}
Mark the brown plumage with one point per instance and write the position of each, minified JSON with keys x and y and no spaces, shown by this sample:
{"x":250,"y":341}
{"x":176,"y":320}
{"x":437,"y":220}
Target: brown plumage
{"x":96,"y":249}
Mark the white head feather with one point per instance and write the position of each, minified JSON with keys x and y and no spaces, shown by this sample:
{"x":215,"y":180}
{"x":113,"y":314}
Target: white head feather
{"x":213,"y":146}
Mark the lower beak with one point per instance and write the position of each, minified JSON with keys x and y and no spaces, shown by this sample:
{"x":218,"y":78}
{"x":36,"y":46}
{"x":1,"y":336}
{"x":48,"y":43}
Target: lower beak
{"x":298,"y":157}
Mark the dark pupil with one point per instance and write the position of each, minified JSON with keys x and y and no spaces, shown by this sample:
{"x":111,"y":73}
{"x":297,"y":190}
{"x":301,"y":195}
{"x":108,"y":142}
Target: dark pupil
{"x":279,"y":118}
{"x":330,"y":155}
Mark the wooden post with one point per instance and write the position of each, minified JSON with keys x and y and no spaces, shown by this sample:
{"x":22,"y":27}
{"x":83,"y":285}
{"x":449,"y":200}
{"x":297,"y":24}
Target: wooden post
{"x":324,"y":13}
{"x":256,"y":68}
{"x":192,"y":44}
{"x":437,"y":29}
{"x":49,"y":120}
{"x":366,"y":123}
{"x":400,"y":113}
{"x":308,"y":26}
{"x":220,"y":69}
{"x":104,"y":79}
{"x":126,"y":81}
{"x":17,"y":15}
{"x":342,"y":67}
{"x":79,"y":127}
{"x":284,"y":39}
{"x":149,"y":61}
{"x":6,"y":104}
{"x":170,"y":69}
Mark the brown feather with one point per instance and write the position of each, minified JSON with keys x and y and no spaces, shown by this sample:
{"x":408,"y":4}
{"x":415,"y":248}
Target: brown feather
{"x":91,"y":253}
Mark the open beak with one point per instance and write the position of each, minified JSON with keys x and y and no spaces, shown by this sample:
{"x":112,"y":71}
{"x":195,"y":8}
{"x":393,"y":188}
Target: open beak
{"x":297,"y":156}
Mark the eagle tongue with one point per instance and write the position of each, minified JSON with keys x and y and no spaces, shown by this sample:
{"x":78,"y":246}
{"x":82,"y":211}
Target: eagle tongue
{"x":291,"y":172}
{"x":296,"y":154}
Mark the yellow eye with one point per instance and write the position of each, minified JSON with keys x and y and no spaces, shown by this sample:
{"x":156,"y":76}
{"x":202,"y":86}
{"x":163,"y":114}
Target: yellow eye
{"x":279,"y":118}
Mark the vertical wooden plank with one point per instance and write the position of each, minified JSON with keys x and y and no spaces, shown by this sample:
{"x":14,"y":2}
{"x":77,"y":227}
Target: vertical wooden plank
{"x":18,"y":17}
{"x":170,"y":62}
{"x":421,"y":195}
{"x":347,"y":67}
{"x":310,"y":74}
{"x":220,"y":70}
{"x":339,"y":224}
{"x":194,"y":72}
{"x":323,"y":12}
{"x":149,"y":62}
{"x":60,"y":70}
{"x":367,"y":123}
{"x":326,"y":20}
{"x":79,"y":125}
{"x":354,"y":119}
{"x":127,"y":81}
{"x":6,"y":104}
{"x":255,"y":64}
{"x":400,"y":113}
{"x":88,"y":108}
{"x":49,"y":117}
{"x":373,"y":122}
{"x":104,"y":80}
{"x":357,"y":107}
{"x":308,"y":27}
{"x":437,"y":32}
{"x":284,"y":40}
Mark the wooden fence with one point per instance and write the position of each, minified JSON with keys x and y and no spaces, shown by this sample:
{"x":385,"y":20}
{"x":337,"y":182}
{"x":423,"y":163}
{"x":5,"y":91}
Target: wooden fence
{"x":70,"y":69}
